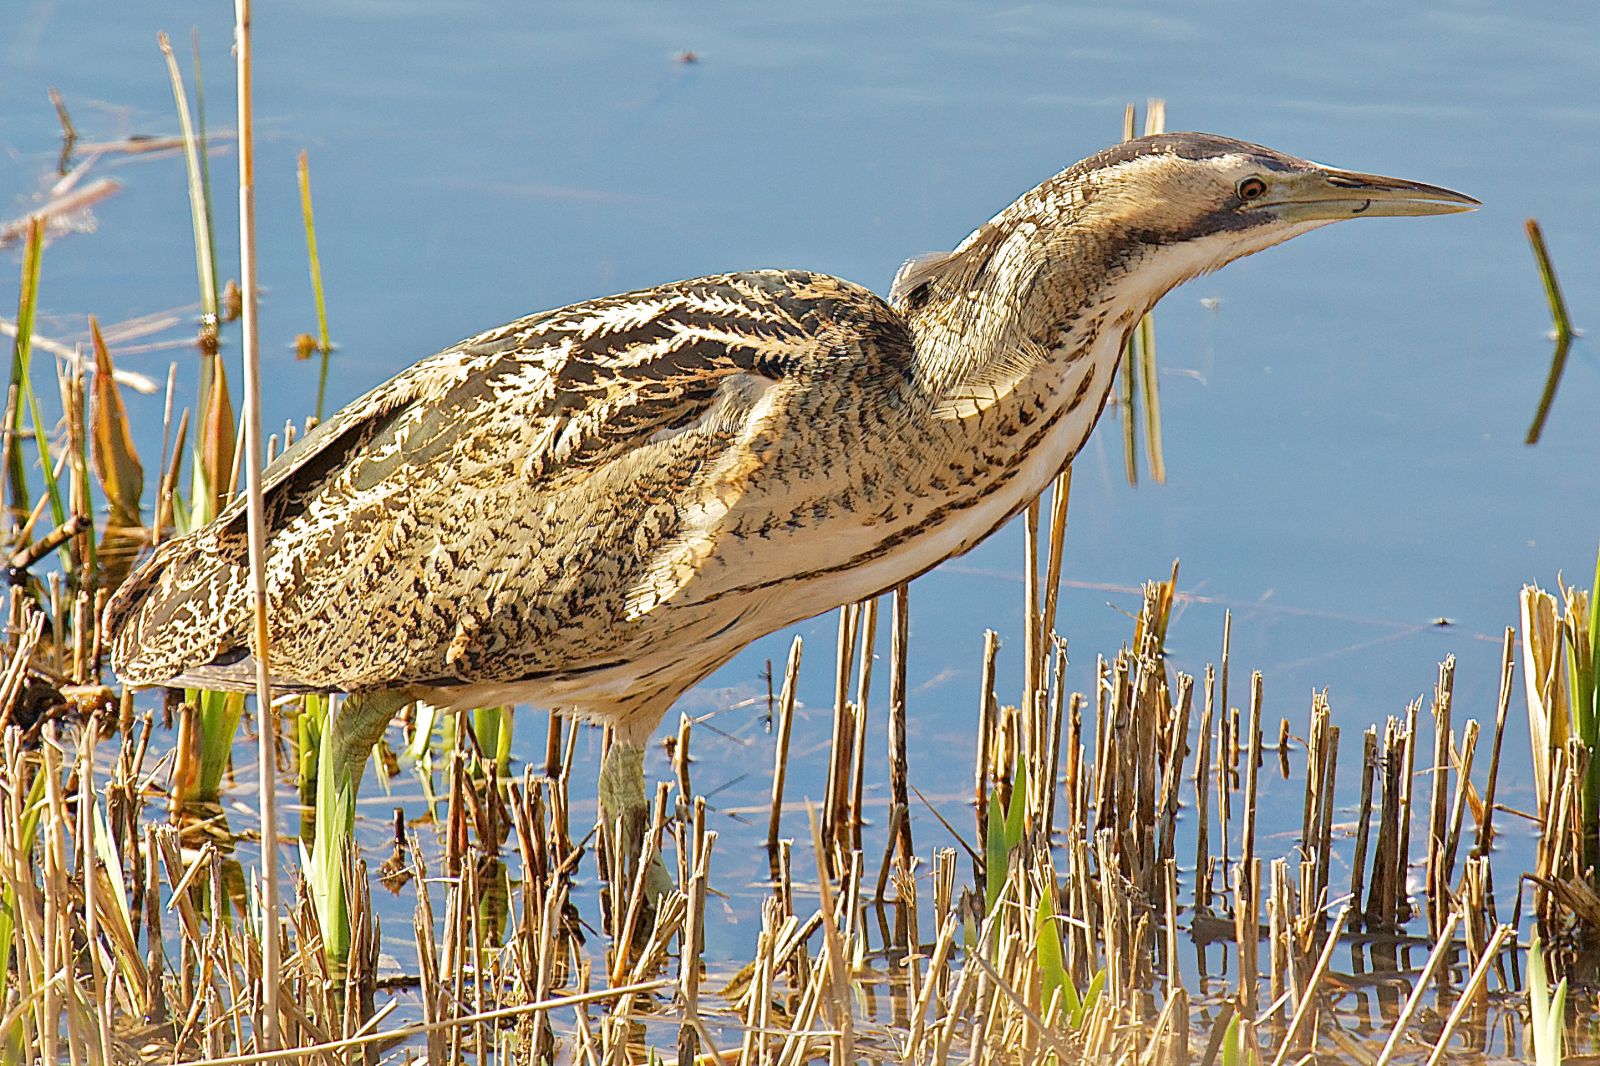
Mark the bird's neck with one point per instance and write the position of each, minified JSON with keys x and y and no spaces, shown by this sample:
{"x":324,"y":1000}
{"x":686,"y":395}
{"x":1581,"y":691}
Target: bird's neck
{"x":1013,"y":331}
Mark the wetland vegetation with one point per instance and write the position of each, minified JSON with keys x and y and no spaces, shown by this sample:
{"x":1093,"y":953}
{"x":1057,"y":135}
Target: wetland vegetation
{"x":1124,"y":880}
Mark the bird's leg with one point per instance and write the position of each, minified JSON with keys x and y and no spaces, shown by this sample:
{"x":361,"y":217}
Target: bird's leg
{"x":360,"y":724}
{"x":622,"y":799}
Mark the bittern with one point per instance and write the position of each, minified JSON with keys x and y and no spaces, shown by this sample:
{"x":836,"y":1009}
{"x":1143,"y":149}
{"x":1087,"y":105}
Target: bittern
{"x":593,"y":508}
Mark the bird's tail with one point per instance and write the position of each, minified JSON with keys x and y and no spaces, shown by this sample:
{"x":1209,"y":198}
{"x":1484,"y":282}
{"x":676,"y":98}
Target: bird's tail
{"x":179,"y":612}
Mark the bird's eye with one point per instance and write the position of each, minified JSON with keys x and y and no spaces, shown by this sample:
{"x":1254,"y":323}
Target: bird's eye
{"x":1251,"y":188}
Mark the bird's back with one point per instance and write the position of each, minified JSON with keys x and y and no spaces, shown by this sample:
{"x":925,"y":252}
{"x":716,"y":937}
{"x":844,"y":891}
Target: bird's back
{"x":521,"y":505}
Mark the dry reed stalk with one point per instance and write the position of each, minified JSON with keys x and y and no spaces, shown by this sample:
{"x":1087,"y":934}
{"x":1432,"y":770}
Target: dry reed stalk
{"x":1033,"y":615}
{"x":1463,"y":764}
{"x":1176,"y":742}
{"x":1402,"y":899}
{"x":256,"y":522}
{"x":786,"y":709}
{"x":1227,"y":749}
{"x":1358,"y":860}
{"x":841,"y":750}
{"x":1247,"y":929}
{"x":1469,"y":994}
{"x":987,"y":713}
{"x":1251,"y":770}
{"x":1060,"y":496}
{"x":1439,"y":793}
{"x":1330,"y":762}
{"x":1202,"y":796}
{"x":899,"y":772}
{"x":855,"y":816}
{"x":843,"y":1041}
{"x":1503,"y":704}
{"x":1306,"y":1003}
{"x":1279,"y":915}
{"x":1436,"y":958}
{"x":680,"y":757}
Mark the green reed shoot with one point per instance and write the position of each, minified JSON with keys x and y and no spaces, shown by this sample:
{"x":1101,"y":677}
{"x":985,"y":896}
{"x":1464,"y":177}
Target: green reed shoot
{"x":197,"y":776}
{"x":309,"y":727}
{"x":1002,"y":837}
{"x":1547,"y":1013}
{"x":218,"y":713}
{"x":324,"y":866}
{"x":1054,"y":979}
{"x":205,"y":158}
{"x":22,"y":393}
{"x":31,"y":808}
{"x":1582,"y":638}
{"x":21,"y":352}
{"x":492,"y":727}
{"x":1234,"y":1051}
{"x":1560,"y":320}
{"x":15,"y":1049}
{"x":322,"y":344}
{"x":214,"y":442}
{"x":199,"y":201}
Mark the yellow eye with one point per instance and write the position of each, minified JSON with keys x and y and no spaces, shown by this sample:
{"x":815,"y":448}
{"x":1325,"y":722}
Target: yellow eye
{"x":1251,"y":188}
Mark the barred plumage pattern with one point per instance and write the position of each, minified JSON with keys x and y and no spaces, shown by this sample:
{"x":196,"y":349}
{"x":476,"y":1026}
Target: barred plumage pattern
{"x":594,"y":507}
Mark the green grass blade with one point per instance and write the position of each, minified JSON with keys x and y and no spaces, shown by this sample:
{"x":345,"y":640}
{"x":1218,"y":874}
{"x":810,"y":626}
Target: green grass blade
{"x":199,"y":206}
{"x":1016,"y":810}
{"x":324,"y":867}
{"x":22,"y":383}
{"x":217,"y":717}
{"x":996,"y":856}
{"x":309,"y":728}
{"x":1053,"y":976}
{"x":1091,"y":996}
{"x":21,"y":356}
{"x":205,"y":158}
{"x":323,"y":345}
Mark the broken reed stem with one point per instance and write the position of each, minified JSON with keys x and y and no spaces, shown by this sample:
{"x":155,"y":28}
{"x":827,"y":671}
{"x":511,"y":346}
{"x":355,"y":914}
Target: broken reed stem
{"x":1252,"y":763}
{"x":266,"y":729}
{"x":1032,"y":615}
{"x":1480,"y":974}
{"x":986,"y":716}
{"x":786,"y":699}
{"x":404,"y":1032}
{"x":1308,"y":998}
{"x":899,"y":770}
{"x":1441,"y":951}
{"x":1508,"y":666}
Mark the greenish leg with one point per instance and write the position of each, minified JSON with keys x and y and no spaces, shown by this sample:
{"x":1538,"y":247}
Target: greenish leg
{"x":360,"y":724}
{"x":622,"y":796}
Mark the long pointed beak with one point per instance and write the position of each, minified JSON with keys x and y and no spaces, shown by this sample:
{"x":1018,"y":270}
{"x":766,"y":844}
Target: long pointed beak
{"x":1330,"y":195}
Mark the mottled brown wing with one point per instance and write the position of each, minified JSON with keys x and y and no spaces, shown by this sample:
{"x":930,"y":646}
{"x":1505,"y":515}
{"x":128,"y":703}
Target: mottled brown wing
{"x":396,"y":527}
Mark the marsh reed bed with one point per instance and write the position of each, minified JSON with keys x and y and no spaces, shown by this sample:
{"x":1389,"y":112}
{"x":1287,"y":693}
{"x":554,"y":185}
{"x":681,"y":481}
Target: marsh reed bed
{"x":1110,"y":888}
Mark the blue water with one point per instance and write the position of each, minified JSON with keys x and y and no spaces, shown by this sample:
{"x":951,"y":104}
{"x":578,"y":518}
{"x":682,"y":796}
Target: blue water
{"x":1343,"y":416}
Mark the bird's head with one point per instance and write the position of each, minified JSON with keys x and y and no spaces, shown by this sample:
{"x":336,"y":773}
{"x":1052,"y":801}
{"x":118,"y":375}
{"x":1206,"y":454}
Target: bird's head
{"x":1193,"y":202}
{"x":1151,"y":213}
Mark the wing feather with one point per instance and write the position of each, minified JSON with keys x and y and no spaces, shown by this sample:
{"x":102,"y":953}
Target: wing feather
{"x":422,"y":524}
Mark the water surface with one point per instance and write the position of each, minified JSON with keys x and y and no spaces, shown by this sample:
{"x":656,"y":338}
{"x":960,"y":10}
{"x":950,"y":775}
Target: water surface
{"x":1343,"y":416}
